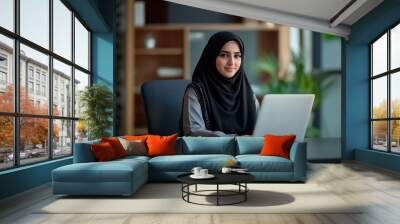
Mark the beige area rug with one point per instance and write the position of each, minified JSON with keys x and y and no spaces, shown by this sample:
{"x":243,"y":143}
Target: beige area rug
{"x":166,"y":198}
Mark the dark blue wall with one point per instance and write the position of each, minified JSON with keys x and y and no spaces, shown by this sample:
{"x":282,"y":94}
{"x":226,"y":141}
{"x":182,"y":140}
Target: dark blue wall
{"x":100,"y":17}
{"x":356,"y":82}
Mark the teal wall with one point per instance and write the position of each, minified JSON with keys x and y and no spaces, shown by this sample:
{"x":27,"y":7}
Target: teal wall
{"x":103,"y":50}
{"x":24,"y":178}
{"x":356,"y":83}
{"x":100,"y":17}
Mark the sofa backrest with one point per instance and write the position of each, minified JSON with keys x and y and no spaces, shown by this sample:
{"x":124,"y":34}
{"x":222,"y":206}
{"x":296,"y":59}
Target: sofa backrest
{"x":249,"y":145}
{"x":207,"y":145}
{"x":83,"y":152}
{"x":194,"y":146}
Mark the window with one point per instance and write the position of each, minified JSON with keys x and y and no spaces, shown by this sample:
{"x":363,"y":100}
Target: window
{"x":62,"y":29}
{"x":38,"y":89}
{"x":35,"y":22}
{"x":6,"y":89}
{"x":3,"y":60}
{"x":37,"y":75}
{"x":62,"y":75}
{"x":81,"y":45}
{"x":385,"y":91}
{"x":30,"y":72}
{"x":3,"y":78}
{"x":7,"y":14}
{"x":54,"y":125}
{"x":43,"y":90}
{"x":30,"y":87}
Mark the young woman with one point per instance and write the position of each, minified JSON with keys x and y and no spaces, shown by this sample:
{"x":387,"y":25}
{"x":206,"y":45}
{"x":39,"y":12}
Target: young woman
{"x":219,"y":101}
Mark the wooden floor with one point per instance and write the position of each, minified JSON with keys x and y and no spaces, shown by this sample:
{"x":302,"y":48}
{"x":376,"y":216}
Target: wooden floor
{"x":377,"y":188}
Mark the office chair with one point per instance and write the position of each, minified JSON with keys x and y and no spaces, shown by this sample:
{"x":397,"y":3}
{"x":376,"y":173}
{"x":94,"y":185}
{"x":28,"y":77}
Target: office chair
{"x":163,"y":104}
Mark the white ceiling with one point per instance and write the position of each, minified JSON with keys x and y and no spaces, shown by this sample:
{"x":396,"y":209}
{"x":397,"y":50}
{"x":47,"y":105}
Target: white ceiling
{"x":322,"y":9}
{"x":316,"y":15}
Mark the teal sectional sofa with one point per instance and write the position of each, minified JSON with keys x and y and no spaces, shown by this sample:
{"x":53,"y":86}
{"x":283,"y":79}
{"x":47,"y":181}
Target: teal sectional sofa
{"x":125,"y":176}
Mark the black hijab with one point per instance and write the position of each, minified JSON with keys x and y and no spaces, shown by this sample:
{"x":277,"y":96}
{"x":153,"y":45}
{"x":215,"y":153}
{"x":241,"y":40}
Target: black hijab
{"x":227,"y":103}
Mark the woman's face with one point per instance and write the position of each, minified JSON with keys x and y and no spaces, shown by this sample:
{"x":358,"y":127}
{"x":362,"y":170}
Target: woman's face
{"x":229,"y":59}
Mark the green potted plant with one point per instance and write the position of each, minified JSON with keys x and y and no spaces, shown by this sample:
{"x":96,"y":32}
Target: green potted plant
{"x":294,"y":80}
{"x":96,"y":103}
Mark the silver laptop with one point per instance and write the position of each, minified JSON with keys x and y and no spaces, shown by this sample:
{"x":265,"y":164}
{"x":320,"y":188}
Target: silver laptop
{"x":282,"y":114}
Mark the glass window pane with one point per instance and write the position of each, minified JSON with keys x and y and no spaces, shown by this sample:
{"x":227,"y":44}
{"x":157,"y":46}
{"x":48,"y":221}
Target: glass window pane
{"x":379,"y":97}
{"x":33,"y":140}
{"x":6,"y":142}
{"x":62,"y":138}
{"x":6,"y":74}
{"x":34,"y":96}
{"x":35,"y":21}
{"x":62,"y":29}
{"x":81,"y":131}
{"x":379,"y":55}
{"x":81,"y":81}
{"x":62,"y":89}
{"x":379,"y":135}
{"x":7,"y":14}
{"x":395,"y":136}
{"x":395,"y":94}
{"x":395,"y":47}
{"x":81,"y":45}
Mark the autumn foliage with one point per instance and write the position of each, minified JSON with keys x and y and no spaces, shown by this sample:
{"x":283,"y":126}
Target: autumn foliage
{"x":380,"y":127}
{"x":33,"y":131}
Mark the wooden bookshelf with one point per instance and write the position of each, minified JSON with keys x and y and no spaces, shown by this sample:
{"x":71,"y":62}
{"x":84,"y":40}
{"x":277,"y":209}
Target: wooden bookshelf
{"x":169,"y":51}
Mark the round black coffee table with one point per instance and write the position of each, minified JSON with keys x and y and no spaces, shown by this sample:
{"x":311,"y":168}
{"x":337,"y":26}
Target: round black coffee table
{"x":238,"y":179}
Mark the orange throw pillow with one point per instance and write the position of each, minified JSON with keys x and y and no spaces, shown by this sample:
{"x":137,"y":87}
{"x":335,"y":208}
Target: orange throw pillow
{"x":135,"y":137}
{"x":161,"y":145}
{"x":103,"y":152}
{"x":275,"y":145}
{"x":116,"y":145}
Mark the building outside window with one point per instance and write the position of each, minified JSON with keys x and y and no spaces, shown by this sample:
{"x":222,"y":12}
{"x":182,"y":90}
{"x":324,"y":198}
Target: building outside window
{"x":38,"y":89}
{"x":30,"y":72}
{"x":3,"y":78}
{"x":34,"y":75}
{"x":3,"y":72}
{"x":3,"y":60}
{"x":43,"y":77}
{"x":30,"y":87}
{"x":385,"y":91}
{"x":43,"y":90}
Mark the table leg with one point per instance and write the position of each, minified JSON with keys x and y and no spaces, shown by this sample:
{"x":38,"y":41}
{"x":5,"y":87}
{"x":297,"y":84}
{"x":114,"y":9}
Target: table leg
{"x":245,"y":193}
{"x":217,"y":194}
{"x":196,"y":188}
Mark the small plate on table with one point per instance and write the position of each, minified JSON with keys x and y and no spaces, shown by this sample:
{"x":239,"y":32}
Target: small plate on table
{"x":208,"y":176}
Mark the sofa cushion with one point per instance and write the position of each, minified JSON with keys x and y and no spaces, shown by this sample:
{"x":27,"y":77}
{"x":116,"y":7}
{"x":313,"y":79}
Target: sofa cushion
{"x":116,"y":145}
{"x":257,"y":163}
{"x":111,"y":171}
{"x":103,"y":152}
{"x":134,"y":147}
{"x":208,"y":145}
{"x":185,"y":163}
{"x":249,"y":145}
{"x":161,"y":145}
{"x":277,"y":145}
